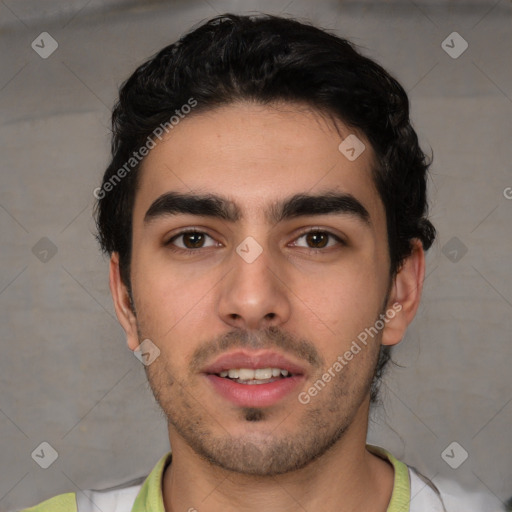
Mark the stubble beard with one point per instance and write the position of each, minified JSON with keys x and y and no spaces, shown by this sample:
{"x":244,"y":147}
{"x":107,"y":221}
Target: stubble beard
{"x":317,"y":426}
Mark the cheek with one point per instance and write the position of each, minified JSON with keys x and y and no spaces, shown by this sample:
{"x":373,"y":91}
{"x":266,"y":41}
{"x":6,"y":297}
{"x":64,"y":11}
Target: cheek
{"x":174,"y":312}
{"x":168,"y":297}
{"x":345,"y":299}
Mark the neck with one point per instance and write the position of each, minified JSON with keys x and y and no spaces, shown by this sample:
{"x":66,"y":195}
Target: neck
{"x":347,"y":478}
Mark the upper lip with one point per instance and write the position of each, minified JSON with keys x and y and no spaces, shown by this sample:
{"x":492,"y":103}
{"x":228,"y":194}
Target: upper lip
{"x":253,"y":360}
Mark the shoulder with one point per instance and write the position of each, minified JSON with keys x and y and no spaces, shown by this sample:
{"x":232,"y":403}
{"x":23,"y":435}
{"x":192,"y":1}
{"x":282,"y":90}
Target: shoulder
{"x":60,"y":503}
{"x":458,"y":498}
{"x":447,"y":496}
{"x":121,"y":498}
{"x":425,"y":496}
{"x":109,"y":500}
{"x":414,"y":492}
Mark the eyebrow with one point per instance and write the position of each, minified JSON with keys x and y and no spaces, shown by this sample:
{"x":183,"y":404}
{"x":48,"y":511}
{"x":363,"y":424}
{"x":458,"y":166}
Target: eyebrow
{"x":298,"y":205}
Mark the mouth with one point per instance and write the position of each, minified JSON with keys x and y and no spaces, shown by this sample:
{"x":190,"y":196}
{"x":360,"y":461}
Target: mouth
{"x":254,"y":379}
{"x":258,"y":376}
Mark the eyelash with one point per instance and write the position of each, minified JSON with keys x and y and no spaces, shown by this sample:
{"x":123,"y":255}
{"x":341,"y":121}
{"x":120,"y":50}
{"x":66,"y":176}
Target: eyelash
{"x":187,"y":252}
{"x":180,"y":250}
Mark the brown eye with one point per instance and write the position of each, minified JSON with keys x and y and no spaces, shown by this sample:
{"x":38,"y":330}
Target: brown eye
{"x":317,"y":240}
{"x":190,"y":240}
{"x":193,"y":240}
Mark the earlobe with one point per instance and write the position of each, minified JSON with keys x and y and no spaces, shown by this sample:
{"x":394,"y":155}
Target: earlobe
{"x":405,"y":295}
{"x":122,"y":304}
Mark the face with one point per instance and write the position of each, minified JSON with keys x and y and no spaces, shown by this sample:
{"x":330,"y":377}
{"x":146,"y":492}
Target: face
{"x":253,"y":309}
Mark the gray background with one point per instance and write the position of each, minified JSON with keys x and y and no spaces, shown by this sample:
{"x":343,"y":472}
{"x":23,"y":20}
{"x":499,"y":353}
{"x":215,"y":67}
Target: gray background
{"x":66,"y":375}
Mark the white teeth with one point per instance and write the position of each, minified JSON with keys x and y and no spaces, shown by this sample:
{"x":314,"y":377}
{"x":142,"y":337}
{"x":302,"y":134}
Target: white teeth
{"x":250,"y":374}
{"x":245,"y":374}
{"x":263,"y":373}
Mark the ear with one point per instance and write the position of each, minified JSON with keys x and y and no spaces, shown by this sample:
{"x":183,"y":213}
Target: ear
{"x":122,"y":304}
{"x":405,"y":295}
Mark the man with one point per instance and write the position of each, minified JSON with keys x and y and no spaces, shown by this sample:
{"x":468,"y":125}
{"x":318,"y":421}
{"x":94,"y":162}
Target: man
{"x":265,"y":215}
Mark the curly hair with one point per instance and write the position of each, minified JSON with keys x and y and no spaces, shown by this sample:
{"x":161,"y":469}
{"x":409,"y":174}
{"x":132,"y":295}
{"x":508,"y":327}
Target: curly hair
{"x":268,"y":59}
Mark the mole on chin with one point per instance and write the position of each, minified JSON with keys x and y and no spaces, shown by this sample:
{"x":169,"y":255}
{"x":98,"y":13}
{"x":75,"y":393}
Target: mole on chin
{"x":253,"y":414}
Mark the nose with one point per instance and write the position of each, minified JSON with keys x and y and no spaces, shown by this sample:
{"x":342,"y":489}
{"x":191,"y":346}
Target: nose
{"x":254,"y":295}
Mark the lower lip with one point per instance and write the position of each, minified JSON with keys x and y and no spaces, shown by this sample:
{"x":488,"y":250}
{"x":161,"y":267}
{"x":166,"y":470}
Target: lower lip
{"x":254,"y":395}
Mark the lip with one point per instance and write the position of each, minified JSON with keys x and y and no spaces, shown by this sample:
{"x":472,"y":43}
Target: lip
{"x":254,"y":395}
{"x":243,"y":359}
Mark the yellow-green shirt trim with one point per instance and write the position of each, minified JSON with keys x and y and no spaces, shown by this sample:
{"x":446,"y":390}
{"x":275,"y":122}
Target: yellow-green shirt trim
{"x":150,"y":496}
{"x":401,"y":495}
{"x":60,"y":503}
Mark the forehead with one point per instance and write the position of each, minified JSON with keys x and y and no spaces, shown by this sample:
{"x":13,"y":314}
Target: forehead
{"x":256,"y":155}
